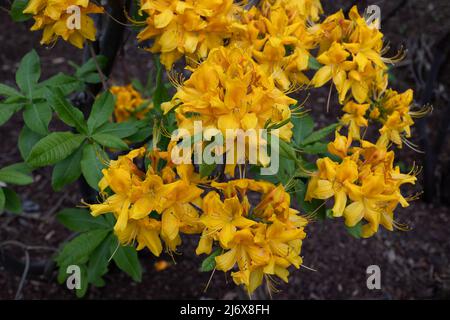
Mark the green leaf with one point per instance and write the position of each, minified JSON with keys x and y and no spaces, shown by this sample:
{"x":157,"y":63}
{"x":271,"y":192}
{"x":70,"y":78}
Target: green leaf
{"x":28,"y":73}
{"x":126,"y":259}
{"x":303,"y":127}
{"x":101,"y":111}
{"x":67,"y":113}
{"x":65,"y":83}
{"x":160,"y":94}
{"x":2,"y":200}
{"x":319,"y":134}
{"x":355,"y":231}
{"x":90,"y":65}
{"x":84,"y":283}
{"x":13,"y":176}
{"x":99,"y":260}
{"x":53,"y":148}
{"x":92,"y":164}
{"x":315,"y":207}
{"x":81,"y":220}
{"x":210,"y":262}
{"x":17,"y":11}
{"x":120,"y":130}
{"x":12,"y":203}
{"x":27,"y":139}
{"x":206,"y":169}
{"x":313,"y":63}
{"x":7,"y":111}
{"x":67,"y":171}
{"x":110,"y":141}
{"x":77,"y":251}
{"x":316,"y":148}
{"x":287,"y":151}
{"x":7,"y":91}
{"x":37,"y":116}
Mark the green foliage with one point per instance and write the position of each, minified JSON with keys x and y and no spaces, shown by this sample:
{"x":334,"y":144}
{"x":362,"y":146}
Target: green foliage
{"x":102,"y":111}
{"x":355,"y":231}
{"x":314,"y":64}
{"x":14,"y":175}
{"x":126,"y":259}
{"x":93,"y":249}
{"x":12,"y":201}
{"x":17,"y":8}
{"x":55,"y":147}
{"x":80,"y":220}
{"x":27,"y":139}
{"x":210,"y":261}
{"x":206,"y":169}
{"x":70,"y":115}
{"x":92,"y":164}
{"x":67,"y":171}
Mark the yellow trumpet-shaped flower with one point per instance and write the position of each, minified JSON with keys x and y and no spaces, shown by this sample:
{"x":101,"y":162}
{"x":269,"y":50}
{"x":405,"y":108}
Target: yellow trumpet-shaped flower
{"x":230,"y":91}
{"x":53,"y":16}
{"x":138,"y":195}
{"x":259,"y":238}
{"x":396,"y":116}
{"x":277,"y":36}
{"x":351,"y":54}
{"x":365,"y":185}
{"x":354,"y":118}
{"x":189,"y":27}
{"x":129,"y":103}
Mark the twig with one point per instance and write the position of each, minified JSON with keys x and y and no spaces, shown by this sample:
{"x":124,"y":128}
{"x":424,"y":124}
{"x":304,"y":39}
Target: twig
{"x":24,"y":276}
{"x":99,"y":70}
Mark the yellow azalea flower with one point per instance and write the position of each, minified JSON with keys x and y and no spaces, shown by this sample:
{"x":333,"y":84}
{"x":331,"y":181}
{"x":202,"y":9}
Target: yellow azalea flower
{"x":277,"y":37}
{"x":136,"y":195}
{"x":224,"y":217}
{"x":396,"y":116}
{"x":355,"y":118}
{"x":366,"y":199}
{"x":188,"y":27}
{"x":259,"y":238}
{"x":145,"y":232}
{"x":306,"y":9}
{"x":366,"y":177}
{"x":52,"y":17}
{"x":129,"y":103}
{"x":340,"y":146}
{"x":333,"y":180}
{"x":351,"y":54}
{"x":230,"y":91}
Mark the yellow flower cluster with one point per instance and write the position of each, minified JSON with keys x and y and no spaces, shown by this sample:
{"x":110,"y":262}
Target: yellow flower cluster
{"x":229,"y":90}
{"x":277,"y":36}
{"x":52,"y":17}
{"x":242,"y":83}
{"x":351,"y":54}
{"x":147,"y":207}
{"x":364,"y":185}
{"x":262,"y":240}
{"x":190,"y":28}
{"x":394,"y":113}
{"x":129,"y":103}
{"x":392,"y":110}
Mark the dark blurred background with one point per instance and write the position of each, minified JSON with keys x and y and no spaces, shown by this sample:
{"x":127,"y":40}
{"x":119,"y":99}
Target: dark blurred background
{"x":414,"y":264}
